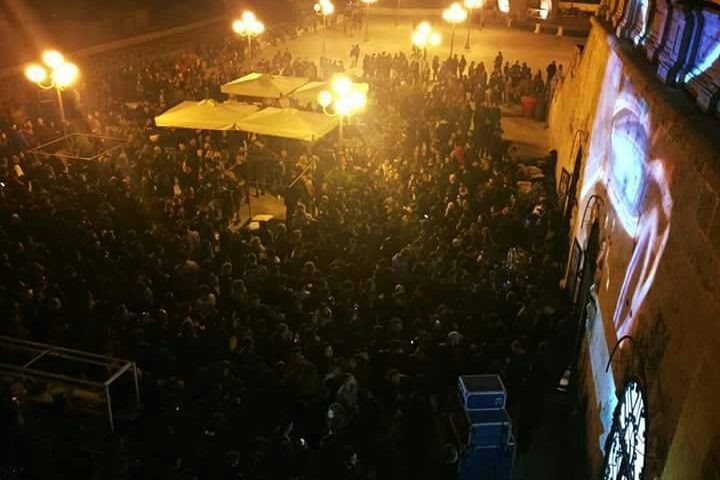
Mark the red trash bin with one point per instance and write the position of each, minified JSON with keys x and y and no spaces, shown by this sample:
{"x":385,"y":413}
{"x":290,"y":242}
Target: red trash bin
{"x":528,"y":106}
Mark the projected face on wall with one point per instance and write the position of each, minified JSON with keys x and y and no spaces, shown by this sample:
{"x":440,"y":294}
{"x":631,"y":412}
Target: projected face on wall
{"x":623,"y":162}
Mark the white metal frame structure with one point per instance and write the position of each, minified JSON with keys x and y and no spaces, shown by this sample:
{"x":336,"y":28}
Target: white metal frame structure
{"x":66,"y":147}
{"x":116,"y":367}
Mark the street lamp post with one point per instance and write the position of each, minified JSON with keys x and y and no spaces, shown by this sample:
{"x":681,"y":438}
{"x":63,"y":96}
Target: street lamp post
{"x":471,"y":5}
{"x":454,"y":14}
{"x":61,"y":75}
{"x":367,"y":17}
{"x":248,"y":26}
{"x":345,"y":98}
{"x":324,"y":8}
{"x":424,"y":36}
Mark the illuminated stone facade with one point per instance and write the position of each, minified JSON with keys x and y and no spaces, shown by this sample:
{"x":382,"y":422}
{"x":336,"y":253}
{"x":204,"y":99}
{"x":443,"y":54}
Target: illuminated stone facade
{"x":634,"y":123}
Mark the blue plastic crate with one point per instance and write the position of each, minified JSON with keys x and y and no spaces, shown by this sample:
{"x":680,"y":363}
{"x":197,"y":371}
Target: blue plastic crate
{"x":482,"y":392}
{"x":487,"y":463}
{"x":481,"y":427}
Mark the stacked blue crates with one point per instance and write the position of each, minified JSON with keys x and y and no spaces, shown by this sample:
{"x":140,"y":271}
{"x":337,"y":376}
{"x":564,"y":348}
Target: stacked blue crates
{"x":484,"y":429}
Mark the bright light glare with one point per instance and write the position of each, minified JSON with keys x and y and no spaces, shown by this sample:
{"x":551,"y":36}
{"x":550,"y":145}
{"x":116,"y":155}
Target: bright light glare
{"x":344,"y":106}
{"x":36,"y":73}
{"x":424,"y":36}
{"x":238,"y":26}
{"x":65,"y":74}
{"x":324,"y":7}
{"x":473,"y":4}
{"x":53,"y":58}
{"x":357,"y":99}
{"x":341,"y":85}
{"x":325,"y":98}
{"x":455,"y":13}
{"x":504,"y":6}
{"x":249,"y":25}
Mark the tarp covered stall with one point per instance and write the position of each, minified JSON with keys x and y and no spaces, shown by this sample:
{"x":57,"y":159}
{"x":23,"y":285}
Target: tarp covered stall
{"x":309,"y":92}
{"x":263,"y":85}
{"x":289,"y":123}
{"x":206,"y":115}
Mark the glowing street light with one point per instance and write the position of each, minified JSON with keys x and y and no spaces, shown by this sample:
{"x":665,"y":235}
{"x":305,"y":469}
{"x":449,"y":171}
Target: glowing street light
{"x":248,"y":26}
{"x":324,"y":8}
{"x":56,"y":73}
{"x":471,"y":5}
{"x":367,"y":17}
{"x":424,"y":36}
{"x":454,"y":14}
{"x":344,"y":97}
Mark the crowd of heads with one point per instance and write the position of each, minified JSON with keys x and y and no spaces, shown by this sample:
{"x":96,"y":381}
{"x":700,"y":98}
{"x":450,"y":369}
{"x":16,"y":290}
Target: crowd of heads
{"x":324,"y":346}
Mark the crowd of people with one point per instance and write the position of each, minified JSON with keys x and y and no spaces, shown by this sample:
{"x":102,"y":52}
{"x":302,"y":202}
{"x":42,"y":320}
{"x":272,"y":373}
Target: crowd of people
{"x":324,"y":346}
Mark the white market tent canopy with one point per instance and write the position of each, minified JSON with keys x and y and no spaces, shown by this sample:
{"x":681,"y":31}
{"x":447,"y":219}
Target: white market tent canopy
{"x":309,"y":92}
{"x":289,"y":123}
{"x":263,"y":85}
{"x":206,"y":115}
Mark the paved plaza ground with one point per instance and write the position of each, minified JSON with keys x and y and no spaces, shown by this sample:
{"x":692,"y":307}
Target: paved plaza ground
{"x":385,"y":36}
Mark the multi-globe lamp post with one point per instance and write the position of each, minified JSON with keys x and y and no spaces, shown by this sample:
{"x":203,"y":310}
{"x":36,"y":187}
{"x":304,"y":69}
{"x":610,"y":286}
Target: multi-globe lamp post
{"x":324,"y":8}
{"x":454,"y":14}
{"x":248,"y":26}
{"x":56,"y":74}
{"x":471,"y":5}
{"x":343,"y":99}
{"x":367,"y":3}
{"x":424,"y":36}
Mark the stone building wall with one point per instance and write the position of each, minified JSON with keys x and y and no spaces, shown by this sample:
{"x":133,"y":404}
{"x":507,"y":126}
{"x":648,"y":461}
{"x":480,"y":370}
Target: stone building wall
{"x":649,"y":179}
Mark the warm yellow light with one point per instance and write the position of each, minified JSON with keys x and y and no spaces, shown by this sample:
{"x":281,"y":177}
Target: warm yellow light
{"x":369,"y":2}
{"x":324,"y":7}
{"x":344,"y":106}
{"x":238,"y":26}
{"x":423,"y":36}
{"x":53,"y":58}
{"x":341,"y":85}
{"x":357,"y":99}
{"x":249,"y":25}
{"x":36,"y":73}
{"x":325,"y":98}
{"x":473,"y":4}
{"x":65,"y":74}
{"x":455,"y":14}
